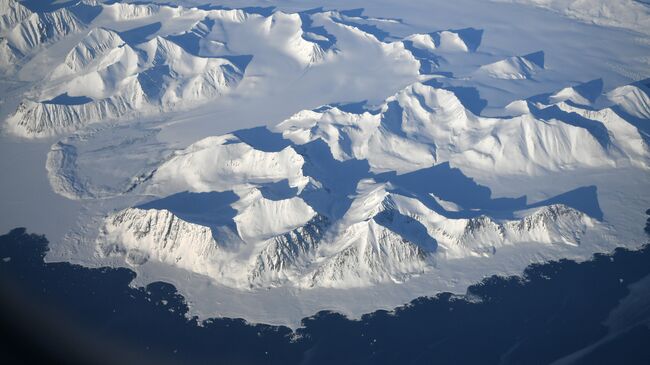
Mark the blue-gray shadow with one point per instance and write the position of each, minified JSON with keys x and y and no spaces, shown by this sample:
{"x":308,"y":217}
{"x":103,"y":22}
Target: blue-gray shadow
{"x":262,"y":139}
{"x":595,"y":128}
{"x":468,"y":96}
{"x":280,"y":190}
{"x":429,"y":62}
{"x":450,"y":184}
{"x":152,"y":80}
{"x":340,"y":180}
{"x":380,"y":34}
{"x":65,"y":99}
{"x":536,"y":58}
{"x":140,"y":34}
{"x":207,"y":209}
{"x":408,"y":228}
{"x":190,"y":41}
{"x":307,"y":27}
{"x":590,"y":90}
{"x":584,"y":199}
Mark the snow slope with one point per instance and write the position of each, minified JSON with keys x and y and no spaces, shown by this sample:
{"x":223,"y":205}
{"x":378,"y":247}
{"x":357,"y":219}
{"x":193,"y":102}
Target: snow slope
{"x":225,"y":163}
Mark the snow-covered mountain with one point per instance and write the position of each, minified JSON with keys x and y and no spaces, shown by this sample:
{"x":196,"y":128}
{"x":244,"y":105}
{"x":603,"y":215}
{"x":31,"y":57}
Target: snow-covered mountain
{"x":268,"y":160}
{"x":383,"y":237}
{"x":157,"y":75}
{"x":106,"y":77}
{"x":24,"y":31}
{"x":11,"y":13}
{"x":159,"y":235}
{"x":226,"y":163}
{"x":290,"y":227}
{"x":94,"y":47}
{"x":421,"y":126}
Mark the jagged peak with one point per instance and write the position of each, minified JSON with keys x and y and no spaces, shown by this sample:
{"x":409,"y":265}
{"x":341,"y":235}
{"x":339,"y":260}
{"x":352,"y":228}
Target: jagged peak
{"x":633,"y":99}
{"x":12,"y":12}
{"x":551,"y":213}
{"x":44,"y":119}
{"x":162,"y":51}
{"x":40,"y":28}
{"x":287,"y":253}
{"x":373,"y":254}
{"x":126,"y":11}
{"x":161,"y":235}
{"x":97,"y":42}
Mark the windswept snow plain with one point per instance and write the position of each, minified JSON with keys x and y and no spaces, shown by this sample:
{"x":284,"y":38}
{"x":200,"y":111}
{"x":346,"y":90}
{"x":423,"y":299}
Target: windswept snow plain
{"x":277,"y":159}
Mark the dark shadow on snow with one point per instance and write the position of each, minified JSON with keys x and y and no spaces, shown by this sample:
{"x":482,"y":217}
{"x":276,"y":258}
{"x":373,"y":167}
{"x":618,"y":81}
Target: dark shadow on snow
{"x":584,"y":199}
{"x":207,"y":209}
{"x":190,"y":41}
{"x":589,"y":90}
{"x":307,"y":26}
{"x":241,"y":61}
{"x":65,"y":99}
{"x":278,"y":190}
{"x":408,"y":228}
{"x":595,"y":128}
{"x":140,"y":34}
{"x":261,"y":138}
{"x":536,"y":58}
{"x":429,"y":62}
{"x":339,"y":178}
{"x":468,"y":96}
{"x":450,"y":184}
{"x":353,"y":18}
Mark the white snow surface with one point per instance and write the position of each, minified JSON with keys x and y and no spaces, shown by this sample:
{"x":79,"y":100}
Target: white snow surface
{"x":629,"y":14}
{"x":274,"y":162}
{"x":225,"y":163}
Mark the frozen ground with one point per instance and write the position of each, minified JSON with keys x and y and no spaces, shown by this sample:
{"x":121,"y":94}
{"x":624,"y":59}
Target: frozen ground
{"x":267,"y":160}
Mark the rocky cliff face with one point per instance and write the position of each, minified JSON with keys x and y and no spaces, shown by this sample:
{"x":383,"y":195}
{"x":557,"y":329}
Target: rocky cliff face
{"x":159,"y":235}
